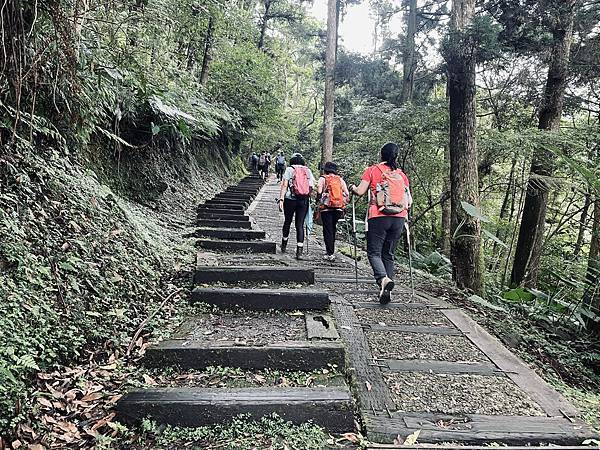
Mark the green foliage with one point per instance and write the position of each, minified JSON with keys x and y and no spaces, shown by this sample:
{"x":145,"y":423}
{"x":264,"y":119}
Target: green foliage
{"x":435,"y":263}
{"x":241,"y":433}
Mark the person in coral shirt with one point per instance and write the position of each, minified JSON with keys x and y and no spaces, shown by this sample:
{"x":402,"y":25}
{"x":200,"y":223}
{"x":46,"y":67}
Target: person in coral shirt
{"x":384,"y":228}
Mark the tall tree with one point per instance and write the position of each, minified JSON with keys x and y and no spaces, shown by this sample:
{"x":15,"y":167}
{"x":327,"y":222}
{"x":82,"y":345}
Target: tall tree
{"x":409,"y":54}
{"x":208,"y":44}
{"x":592,"y":298}
{"x":460,"y":55}
{"x":531,"y":231}
{"x":330,"y":57}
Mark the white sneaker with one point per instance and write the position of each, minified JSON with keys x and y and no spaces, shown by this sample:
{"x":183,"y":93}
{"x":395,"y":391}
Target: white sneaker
{"x":385,"y":295}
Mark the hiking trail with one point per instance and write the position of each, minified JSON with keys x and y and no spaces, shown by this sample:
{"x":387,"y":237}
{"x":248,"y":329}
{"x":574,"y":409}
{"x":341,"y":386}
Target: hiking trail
{"x":419,"y":364}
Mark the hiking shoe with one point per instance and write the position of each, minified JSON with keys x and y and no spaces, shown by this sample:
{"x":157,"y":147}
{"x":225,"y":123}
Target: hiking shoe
{"x":299,"y":250}
{"x":385,"y":294}
{"x":283,"y":245}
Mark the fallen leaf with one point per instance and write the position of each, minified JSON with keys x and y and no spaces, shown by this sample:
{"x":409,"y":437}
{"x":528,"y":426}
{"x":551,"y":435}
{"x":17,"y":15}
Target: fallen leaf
{"x":149,"y":380}
{"x":103,"y":421}
{"x":44,"y":401}
{"x":109,"y":367}
{"x":36,"y":447}
{"x":411,"y":439}
{"x":67,"y":426}
{"x":368,"y":385}
{"x":352,"y":437}
{"x":91,"y":397}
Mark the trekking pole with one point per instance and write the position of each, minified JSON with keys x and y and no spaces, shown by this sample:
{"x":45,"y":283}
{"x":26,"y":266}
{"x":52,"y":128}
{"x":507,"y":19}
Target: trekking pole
{"x":410,"y":270}
{"x":307,"y":237}
{"x":354,"y":234}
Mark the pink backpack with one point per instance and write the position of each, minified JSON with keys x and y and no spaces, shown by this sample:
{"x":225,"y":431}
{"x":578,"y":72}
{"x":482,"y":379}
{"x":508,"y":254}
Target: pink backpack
{"x":300,"y":183}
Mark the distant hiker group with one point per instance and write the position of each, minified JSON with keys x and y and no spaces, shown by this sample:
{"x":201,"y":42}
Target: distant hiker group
{"x":260,"y":164}
{"x":389,"y":199}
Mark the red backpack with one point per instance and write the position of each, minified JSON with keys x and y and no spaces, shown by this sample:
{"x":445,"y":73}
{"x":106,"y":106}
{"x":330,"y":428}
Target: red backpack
{"x":333,"y":194}
{"x":391,"y":194}
{"x":300,"y":183}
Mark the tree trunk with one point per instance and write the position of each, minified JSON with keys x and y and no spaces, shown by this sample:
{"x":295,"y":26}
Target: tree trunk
{"x":208,"y":44}
{"x":531,"y":232}
{"x":409,"y":55}
{"x":446,"y":210}
{"x":582,"y":224}
{"x":330,"y":55}
{"x":263,"y":24}
{"x":465,"y":250}
{"x":592,"y":295}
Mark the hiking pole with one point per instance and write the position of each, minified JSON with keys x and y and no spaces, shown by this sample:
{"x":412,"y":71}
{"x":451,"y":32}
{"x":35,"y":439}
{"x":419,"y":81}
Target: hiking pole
{"x":410,"y":270}
{"x":354,"y":234}
{"x":307,"y":237}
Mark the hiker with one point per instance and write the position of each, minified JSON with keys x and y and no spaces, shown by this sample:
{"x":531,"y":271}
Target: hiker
{"x":296,"y":186}
{"x":254,"y":162}
{"x":262,"y":161}
{"x":267,"y":164}
{"x":333,"y":196}
{"x":280,"y":166}
{"x":389,"y":200}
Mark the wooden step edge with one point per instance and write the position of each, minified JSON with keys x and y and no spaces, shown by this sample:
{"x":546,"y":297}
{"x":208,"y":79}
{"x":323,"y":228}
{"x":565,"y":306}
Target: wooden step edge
{"x":330,"y":408}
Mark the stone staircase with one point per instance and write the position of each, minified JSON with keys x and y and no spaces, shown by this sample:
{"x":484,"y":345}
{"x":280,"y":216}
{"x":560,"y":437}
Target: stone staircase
{"x":257,"y":322}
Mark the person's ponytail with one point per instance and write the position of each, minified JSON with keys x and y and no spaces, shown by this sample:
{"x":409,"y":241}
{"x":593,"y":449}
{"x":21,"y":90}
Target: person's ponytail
{"x":389,"y":155}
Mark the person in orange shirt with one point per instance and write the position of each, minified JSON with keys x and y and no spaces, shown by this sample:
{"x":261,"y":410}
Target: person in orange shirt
{"x":384,"y":228}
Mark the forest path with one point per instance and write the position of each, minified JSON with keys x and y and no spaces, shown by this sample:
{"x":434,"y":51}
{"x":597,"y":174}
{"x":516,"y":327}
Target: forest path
{"x":417,"y":365}
{"x":421,"y":364}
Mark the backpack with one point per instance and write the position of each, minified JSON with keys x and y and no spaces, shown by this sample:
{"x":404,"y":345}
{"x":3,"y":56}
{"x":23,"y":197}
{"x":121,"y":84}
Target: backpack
{"x":254,"y":158}
{"x":280,"y":161}
{"x":262,"y":160}
{"x":391,"y":194}
{"x":300,"y":182}
{"x":333,"y":194}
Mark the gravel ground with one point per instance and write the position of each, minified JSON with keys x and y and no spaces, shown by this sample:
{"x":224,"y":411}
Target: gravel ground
{"x":249,"y":328}
{"x":225,"y":377}
{"x":396,"y":316}
{"x":459,"y":394}
{"x":367,"y":288}
{"x":396,"y":345}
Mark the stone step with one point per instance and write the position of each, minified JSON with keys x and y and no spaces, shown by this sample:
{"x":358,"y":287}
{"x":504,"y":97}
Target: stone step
{"x":211,"y":274}
{"x":242,"y":190}
{"x":229,"y":234}
{"x":223,"y":215}
{"x":221,"y":223}
{"x":238,"y":246}
{"x":288,"y":355}
{"x":213,"y":206}
{"x":330,"y":408}
{"x":219,"y":201}
{"x":263,"y":299}
{"x":238,"y":197}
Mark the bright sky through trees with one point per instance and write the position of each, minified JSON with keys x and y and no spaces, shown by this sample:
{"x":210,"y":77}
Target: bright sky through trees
{"x":356,"y":28}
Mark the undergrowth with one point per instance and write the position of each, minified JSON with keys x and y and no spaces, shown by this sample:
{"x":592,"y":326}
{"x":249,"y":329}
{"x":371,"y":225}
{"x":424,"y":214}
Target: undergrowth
{"x":241,"y":433}
{"x":80,"y":266}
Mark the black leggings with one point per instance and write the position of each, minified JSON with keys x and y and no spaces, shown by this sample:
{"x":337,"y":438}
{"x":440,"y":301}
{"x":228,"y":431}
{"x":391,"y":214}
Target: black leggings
{"x":382,"y":239}
{"x":330,"y":219}
{"x":299,"y":207}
